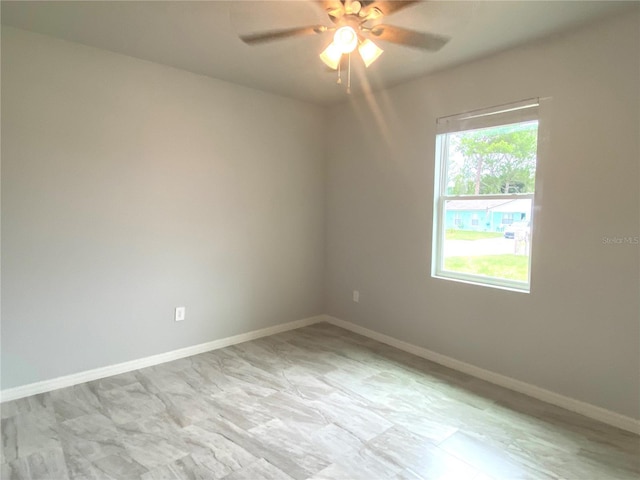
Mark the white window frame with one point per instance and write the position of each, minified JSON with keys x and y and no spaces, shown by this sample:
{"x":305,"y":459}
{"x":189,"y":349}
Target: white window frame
{"x":519,"y":112}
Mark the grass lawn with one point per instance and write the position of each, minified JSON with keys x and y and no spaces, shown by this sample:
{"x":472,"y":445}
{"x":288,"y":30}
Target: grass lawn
{"x":453,"y":234}
{"x":513,"y":267}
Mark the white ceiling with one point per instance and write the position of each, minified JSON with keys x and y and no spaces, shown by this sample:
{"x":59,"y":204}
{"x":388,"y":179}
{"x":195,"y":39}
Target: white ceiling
{"x":202,"y":36}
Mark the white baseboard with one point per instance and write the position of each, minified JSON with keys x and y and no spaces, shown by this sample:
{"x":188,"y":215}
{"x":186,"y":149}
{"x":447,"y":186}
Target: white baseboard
{"x":588,"y":410}
{"x":98,"y":373}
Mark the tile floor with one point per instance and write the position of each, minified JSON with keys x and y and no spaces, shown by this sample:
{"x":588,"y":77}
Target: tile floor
{"x":315,"y":403}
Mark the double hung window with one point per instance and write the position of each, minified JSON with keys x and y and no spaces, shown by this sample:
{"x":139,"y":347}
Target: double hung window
{"x":484,"y":192}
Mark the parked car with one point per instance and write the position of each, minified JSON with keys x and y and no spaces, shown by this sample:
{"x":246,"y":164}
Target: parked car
{"x":517,"y":228}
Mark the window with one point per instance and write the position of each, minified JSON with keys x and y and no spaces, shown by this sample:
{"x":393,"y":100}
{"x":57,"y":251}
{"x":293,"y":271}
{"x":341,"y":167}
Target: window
{"x":485,"y":172}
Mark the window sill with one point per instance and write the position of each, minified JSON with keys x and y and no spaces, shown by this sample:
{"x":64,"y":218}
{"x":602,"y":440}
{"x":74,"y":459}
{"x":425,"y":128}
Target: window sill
{"x":512,"y":286}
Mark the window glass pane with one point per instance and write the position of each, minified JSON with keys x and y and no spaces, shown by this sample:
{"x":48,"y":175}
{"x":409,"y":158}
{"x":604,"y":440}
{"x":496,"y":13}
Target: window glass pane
{"x":477,"y":241}
{"x":490,"y":161}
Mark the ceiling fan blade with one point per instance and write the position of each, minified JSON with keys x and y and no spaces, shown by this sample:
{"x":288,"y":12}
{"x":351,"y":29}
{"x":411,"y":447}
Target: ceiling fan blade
{"x":386,"y":8}
{"x":330,"y":4}
{"x":410,"y":38}
{"x":255,"y":38}
{"x":334,"y":8}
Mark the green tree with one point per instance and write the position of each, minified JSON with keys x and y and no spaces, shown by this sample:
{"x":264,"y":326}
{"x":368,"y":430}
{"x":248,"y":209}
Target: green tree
{"x":494,"y":160}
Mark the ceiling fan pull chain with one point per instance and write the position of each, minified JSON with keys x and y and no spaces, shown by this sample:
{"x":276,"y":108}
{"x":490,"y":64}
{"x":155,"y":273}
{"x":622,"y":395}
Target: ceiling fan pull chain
{"x":339,"y":73}
{"x":349,"y":75}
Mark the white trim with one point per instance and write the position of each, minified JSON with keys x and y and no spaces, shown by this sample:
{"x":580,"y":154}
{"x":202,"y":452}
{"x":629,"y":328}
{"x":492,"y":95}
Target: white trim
{"x":518,"y":112}
{"x":102,"y":372}
{"x":588,"y":410}
{"x":507,"y":197}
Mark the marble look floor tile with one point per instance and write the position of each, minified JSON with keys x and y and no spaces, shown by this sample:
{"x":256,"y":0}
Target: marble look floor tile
{"x":45,"y":464}
{"x":314,"y":403}
{"x":427,"y":424}
{"x":210,"y":367}
{"x":337,"y":472}
{"x":119,"y":467}
{"x":254,"y":446}
{"x":405,"y":448}
{"x":353,"y":416}
{"x":564,"y":424}
{"x":183,"y":382}
{"x":587,"y":468}
{"x":261,"y":357}
{"x":30,"y":404}
{"x":610,"y":457}
{"x":191,"y":467}
{"x":499,"y":432}
{"x":176,"y":365}
{"x":296,"y":356}
{"x":129,"y":403}
{"x":207,"y":366}
{"x":79,"y":467}
{"x":115,"y":381}
{"x":420,"y":457}
{"x":443,"y":466}
{"x":236,"y":368}
{"x":347,"y":370}
{"x":76,"y":401}
{"x":302,"y":412}
{"x":8,"y":430}
{"x":152,"y":441}
{"x":240,"y":407}
{"x":182,"y":402}
{"x":366,"y":464}
{"x":575,"y":456}
{"x":90,"y":437}
{"x":301,"y":382}
{"x":361,"y":389}
{"x":495,"y":462}
{"x":222,"y":455}
{"x":332,"y":472}
{"x":260,"y":470}
{"x":333,"y":442}
{"x":292,"y":441}
{"x":407,"y":475}
{"x":27,"y":433}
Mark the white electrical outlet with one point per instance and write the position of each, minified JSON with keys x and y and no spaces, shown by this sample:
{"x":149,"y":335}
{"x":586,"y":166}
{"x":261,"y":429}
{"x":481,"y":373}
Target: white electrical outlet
{"x":181,"y":313}
{"x":356,"y":296}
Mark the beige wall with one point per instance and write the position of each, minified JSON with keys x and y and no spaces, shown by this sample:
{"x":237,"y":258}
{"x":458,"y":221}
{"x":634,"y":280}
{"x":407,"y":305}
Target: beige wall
{"x":130,"y":188}
{"x":577,"y":333}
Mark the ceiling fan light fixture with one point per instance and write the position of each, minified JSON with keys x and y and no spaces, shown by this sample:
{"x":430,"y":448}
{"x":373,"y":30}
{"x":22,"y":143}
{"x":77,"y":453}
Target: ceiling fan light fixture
{"x":346,"y":39}
{"x":355,"y":23}
{"x":369,"y":52}
{"x":353,"y":7}
{"x":331,"y":56}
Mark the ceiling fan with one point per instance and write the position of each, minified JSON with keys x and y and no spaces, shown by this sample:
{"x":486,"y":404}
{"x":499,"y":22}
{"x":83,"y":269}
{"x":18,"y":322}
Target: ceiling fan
{"x":355,"y":25}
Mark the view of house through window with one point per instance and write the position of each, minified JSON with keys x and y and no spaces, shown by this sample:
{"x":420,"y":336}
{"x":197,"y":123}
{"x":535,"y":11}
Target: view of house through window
{"x":484,"y":195}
